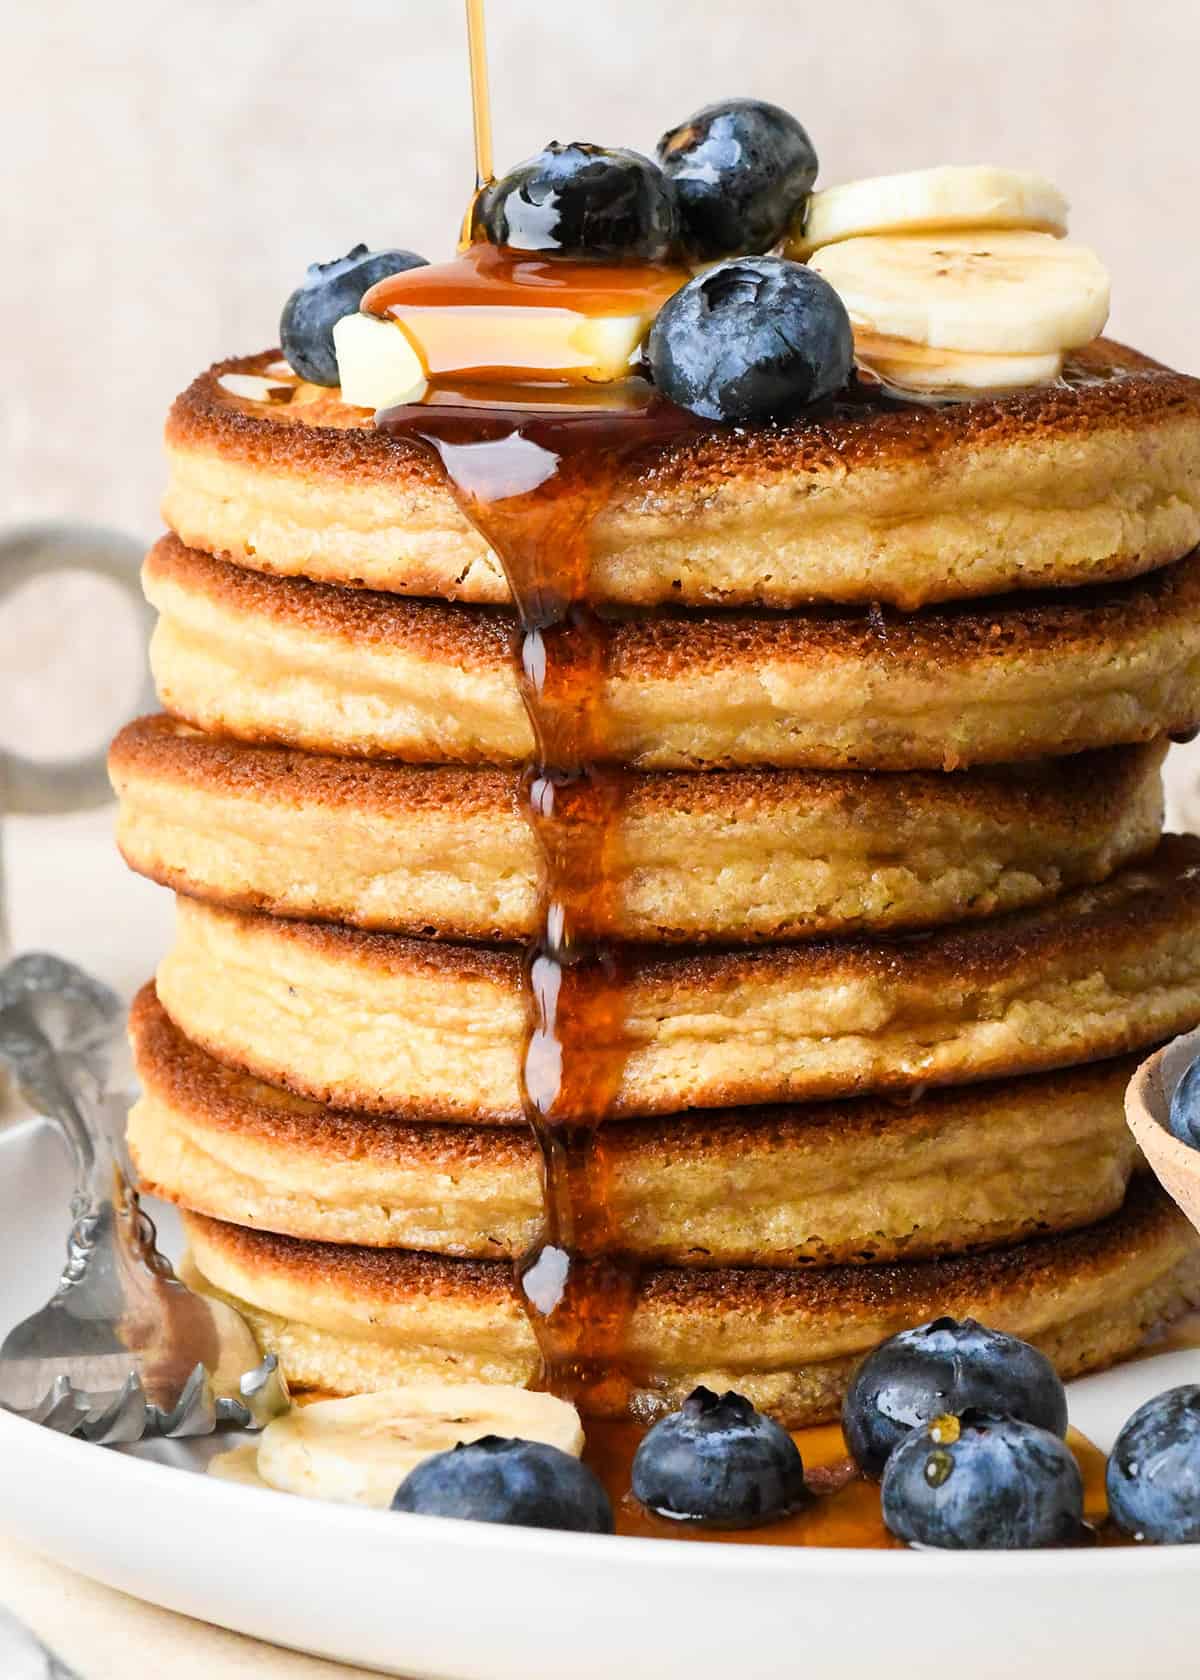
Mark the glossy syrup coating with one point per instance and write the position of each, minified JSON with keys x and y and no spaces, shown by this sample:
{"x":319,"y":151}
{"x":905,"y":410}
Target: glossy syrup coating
{"x":532,"y":480}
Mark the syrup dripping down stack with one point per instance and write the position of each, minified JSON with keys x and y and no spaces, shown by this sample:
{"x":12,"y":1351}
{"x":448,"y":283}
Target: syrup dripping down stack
{"x":845,"y":920}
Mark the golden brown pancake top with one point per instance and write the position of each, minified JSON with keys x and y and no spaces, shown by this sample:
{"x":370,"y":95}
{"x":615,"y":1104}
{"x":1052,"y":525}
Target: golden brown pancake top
{"x":1104,"y":385}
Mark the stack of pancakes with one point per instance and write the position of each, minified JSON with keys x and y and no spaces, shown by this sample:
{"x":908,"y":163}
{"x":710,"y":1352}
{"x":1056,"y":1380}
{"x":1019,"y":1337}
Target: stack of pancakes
{"x":894,"y":687}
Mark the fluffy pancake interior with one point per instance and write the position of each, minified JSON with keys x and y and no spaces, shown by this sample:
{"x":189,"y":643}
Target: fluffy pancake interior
{"x":373,"y":675}
{"x":741,"y":855}
{"x":847,"y":1182}
{"x":385,"y":1024}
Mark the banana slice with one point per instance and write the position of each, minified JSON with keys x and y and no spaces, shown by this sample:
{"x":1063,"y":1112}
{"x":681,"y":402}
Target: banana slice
{"x":377,"y":366}
{"x":954,"y":196}
{"x":358,"y":1451}
{"x":916,"y":369}
{"x":1002,"y":294}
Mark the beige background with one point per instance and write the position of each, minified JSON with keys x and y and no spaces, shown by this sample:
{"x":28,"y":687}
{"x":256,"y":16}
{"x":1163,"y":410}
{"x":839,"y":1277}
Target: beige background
{"x":170,"y":168}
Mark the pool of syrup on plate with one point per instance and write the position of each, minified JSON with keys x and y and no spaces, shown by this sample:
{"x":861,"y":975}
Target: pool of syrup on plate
{"x":845,"y":1509}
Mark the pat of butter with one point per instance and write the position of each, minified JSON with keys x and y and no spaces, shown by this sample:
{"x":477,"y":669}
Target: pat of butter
{"x":524,"y":341}
{"x":377,"y":365}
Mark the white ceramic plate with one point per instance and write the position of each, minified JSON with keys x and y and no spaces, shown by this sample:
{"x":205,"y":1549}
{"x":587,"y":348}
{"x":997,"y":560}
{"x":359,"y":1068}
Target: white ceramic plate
{"x":441,"y":1600}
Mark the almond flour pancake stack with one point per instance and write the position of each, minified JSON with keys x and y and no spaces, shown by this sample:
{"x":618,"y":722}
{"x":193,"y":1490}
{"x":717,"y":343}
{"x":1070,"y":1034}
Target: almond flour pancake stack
{"x":893,"y":689}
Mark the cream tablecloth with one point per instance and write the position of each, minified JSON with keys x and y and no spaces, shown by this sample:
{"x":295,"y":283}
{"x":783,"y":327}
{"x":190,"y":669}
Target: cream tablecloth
{"x":106,"y":1636}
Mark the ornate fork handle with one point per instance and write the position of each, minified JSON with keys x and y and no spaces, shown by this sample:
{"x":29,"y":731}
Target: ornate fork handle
{"x":123,"y":1348}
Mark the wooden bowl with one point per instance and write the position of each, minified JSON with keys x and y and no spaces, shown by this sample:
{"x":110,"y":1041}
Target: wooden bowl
{"x":1147,"y":1105}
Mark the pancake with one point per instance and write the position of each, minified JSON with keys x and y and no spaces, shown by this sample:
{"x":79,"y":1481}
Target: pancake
{"x":343,"y":671}
{"x":735,"y":855}
{"x":848,"y":1182}
{"x":382,"y":1023}
{"x":347,"y":1319}
{"x":1093,"y":479}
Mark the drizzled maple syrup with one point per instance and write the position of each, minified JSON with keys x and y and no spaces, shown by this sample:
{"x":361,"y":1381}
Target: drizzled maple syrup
{"x":531,"y":465}
{"x":465,"y":317}
{"x":531,"y":477}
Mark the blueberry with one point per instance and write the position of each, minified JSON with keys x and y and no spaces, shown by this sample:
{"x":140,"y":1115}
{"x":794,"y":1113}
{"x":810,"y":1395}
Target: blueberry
{"x":1184,"y":1119}
{"x":983,"y":1482}
{"x":719,"y":1461}
{"x":525,"y":1483}
{"x":941,"y":1367}
{"x":751,"y":338}
{"x":327,"y":292}
{"x":1154,"y":1471}
{"x":742,"y":171}
{"x":584,"y":201}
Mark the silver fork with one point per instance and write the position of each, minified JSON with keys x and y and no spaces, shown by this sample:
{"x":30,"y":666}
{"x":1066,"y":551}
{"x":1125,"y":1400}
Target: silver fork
{"x":122,"y":1349}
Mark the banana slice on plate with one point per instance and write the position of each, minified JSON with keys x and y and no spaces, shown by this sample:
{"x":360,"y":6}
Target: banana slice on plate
{"x":358,"y":1451}
{"x":953,"y":196}
{"x":1001,"y":294}
{"x":923,"y":372}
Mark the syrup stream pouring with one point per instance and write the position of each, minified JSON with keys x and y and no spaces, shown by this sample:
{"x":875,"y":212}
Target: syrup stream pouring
{"x":481,"y":113}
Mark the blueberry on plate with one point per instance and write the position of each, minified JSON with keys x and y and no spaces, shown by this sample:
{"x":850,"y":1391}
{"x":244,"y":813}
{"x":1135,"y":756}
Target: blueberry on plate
{"x":1153,"y":1475}
{"x":945,"y":1366}
{"x":584,"y":201}
{"x":719,"y":1461}
{"x":749,"y":339}
{"x":1183,"y":1121}
{"x":525,"y":1483}
{"x":742,"y":171}
{"x":983,"y":1482}
{"x":327,"y":292}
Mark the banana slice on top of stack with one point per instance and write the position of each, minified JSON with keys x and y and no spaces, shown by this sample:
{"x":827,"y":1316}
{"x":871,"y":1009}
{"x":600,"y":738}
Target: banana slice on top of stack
{"x":957,"y":280}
